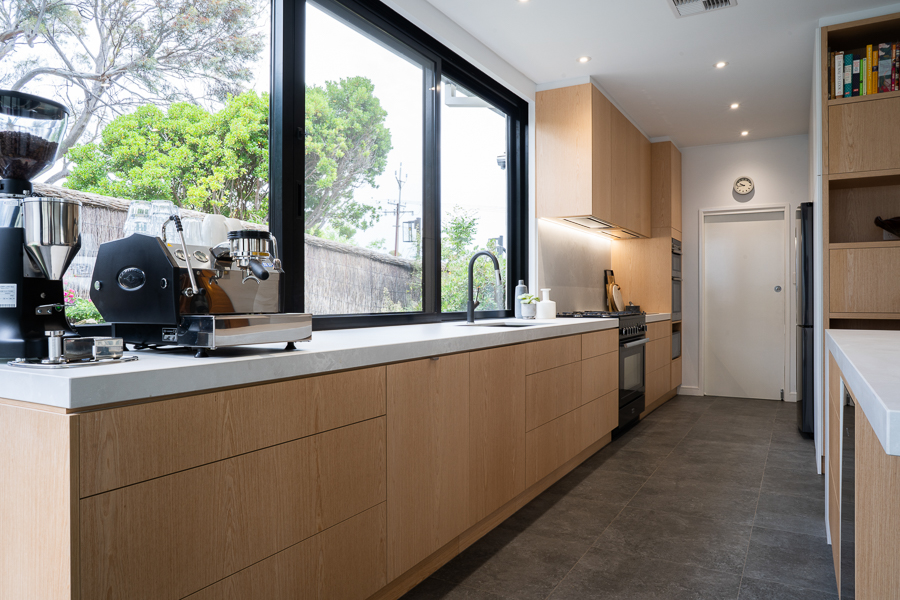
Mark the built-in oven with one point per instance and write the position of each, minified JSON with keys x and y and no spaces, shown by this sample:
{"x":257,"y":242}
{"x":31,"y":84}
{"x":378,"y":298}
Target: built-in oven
{"x":676,"y":258}
{"x":676,"y":299}
{"x":632,"y":344}
{"x":676,"y":280}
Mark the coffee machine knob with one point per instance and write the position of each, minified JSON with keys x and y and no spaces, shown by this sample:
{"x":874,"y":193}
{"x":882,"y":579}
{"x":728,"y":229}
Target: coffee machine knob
{"x":98,"y":284}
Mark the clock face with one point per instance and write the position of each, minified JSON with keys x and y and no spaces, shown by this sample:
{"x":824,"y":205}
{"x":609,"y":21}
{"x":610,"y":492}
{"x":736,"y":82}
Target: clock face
{"x":743,"y":185}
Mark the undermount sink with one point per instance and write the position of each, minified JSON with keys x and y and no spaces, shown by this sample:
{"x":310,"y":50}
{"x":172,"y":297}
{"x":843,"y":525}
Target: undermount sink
{"x":502,"y":324}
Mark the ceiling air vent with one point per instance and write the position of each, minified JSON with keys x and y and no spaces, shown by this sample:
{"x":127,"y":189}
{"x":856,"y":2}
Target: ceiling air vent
{"x":686,"y":8}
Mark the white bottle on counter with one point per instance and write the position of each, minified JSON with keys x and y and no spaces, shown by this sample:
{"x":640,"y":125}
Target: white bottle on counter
{"x":520,"y":290}
{"x":546,"y":308}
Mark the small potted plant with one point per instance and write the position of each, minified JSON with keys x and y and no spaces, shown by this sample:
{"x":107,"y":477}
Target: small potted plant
{"x":529,"y":305}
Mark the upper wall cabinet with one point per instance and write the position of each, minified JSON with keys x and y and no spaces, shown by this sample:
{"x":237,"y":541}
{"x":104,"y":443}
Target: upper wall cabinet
{"x":591,"y":162}
{"x":665,"y":190}
{"x":862,"y":136}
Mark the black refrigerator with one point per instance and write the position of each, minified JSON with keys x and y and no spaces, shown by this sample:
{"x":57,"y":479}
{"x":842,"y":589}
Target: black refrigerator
{"x":803,"y":250}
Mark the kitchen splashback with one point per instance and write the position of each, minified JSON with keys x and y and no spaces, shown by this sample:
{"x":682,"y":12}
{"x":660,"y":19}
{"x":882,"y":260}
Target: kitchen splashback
{"x":571,"y":263}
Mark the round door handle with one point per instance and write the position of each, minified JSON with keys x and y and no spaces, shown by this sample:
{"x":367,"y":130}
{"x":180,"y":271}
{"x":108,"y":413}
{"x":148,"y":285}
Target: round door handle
{"x":777,"y":288}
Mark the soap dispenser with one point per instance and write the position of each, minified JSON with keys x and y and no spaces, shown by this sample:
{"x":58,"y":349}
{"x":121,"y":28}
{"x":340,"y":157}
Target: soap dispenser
{"x":546,"y":308}
{"x":520,"y":290}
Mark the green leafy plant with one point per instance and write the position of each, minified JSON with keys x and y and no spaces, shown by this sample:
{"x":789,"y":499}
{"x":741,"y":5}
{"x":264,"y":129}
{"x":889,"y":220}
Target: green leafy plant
{"x":529,"y":299}
{"x":214,"y":162}
{"x":81,"y":311}
{"x":457,"y":247}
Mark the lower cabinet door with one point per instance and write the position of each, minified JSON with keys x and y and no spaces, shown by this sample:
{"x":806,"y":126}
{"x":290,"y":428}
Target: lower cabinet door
{"x":427,"y":457}
{"x":496,"y":429}
{"x":346,"y":561}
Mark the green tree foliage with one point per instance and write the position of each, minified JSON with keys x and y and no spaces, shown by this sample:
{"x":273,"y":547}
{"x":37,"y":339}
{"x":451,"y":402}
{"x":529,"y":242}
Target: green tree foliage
{"x":108,"y":57}
{"x":347,"y":146}
{"x":457,"y":247}
{"x":215,"y":162}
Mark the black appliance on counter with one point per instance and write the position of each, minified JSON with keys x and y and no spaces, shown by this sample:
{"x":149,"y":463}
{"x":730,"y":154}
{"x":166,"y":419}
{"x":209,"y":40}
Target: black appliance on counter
{"x":803,"y":251}
{"x":157,"y":294}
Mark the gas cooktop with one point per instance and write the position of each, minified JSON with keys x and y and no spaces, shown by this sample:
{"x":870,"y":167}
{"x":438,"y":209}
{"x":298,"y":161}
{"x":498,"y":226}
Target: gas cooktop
{"x":598,"y":314}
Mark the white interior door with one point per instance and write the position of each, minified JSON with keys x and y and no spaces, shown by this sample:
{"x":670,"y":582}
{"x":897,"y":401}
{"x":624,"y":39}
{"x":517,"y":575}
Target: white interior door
{"x":744,"y":304}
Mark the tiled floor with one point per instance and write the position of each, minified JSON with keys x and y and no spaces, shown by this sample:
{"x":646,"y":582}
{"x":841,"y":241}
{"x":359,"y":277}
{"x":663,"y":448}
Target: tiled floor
{"x":707,"y":498}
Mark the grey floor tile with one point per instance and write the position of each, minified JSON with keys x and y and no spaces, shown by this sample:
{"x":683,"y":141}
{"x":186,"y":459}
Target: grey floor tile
{"x":552,"y":515}
{"x":848,"y":569}
{"x":517,"y":565}
{"x":792,"y":437}
{"x":716,"y":461}
{"x":608,"y":487}
{"x":698,"y":498}
{"x":747,"y":407}
{"x":609,"y":575}
{"x":731,"y":430}
{"x":801,"y":514}
{"x":707,"y":543}
{"x":797,"y":483}
{"x":791,"y":456}
{"x":793,"y":559}
{"x":623,"y":460}
{"x":657,"y":439}
{"x":755,"y":589}
{"x":435,"y":589}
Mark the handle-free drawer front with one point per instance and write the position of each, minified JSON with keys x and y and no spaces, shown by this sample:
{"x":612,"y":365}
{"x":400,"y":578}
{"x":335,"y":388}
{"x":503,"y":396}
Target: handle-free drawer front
{"x":863,"y":136}
{"x":555,"y":352}
{"x":122,"y":446}
{"x":659,"y":353}
{"x":551,"y":393}
{"x":599,"y":342}
{"x":659,"y":330}
{"x":657,"y":384}
{"x":346,"y":561}
{"x":864,"y":280}
{"x":599,"y":376}
{"x":169,"y":537}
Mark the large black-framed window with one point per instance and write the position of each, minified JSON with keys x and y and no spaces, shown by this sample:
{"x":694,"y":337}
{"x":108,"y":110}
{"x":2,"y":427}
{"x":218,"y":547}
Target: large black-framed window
{"x":439,"y":67}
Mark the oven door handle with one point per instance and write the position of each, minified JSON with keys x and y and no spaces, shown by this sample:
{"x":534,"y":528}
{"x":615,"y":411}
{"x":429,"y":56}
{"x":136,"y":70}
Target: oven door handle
{"x":635,"y":343}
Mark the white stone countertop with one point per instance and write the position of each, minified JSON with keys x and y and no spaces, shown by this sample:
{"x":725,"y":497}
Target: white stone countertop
{"x":159,"y":373}
{"x":870,"y":364}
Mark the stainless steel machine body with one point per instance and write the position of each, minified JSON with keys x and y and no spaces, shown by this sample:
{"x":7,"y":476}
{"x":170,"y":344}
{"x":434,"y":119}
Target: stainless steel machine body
{"x":144,"y":287}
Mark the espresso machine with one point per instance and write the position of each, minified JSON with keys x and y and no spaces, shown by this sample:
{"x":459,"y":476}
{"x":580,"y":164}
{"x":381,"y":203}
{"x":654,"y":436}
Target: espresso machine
{"x":158,"y":294}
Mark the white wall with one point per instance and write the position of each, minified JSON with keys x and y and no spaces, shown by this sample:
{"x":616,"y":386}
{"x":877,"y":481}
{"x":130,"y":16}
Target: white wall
{"x":779,"y":168}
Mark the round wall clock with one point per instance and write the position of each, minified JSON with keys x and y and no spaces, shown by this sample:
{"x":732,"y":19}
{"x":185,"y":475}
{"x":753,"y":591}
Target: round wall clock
{"x":743,"y":185}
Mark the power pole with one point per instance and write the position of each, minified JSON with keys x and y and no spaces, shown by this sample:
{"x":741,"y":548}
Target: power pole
{"x":398,"y":208}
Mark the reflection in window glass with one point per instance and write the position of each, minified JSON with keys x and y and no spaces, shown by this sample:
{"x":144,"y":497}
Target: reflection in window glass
{"x":473,"y":197}
{"x":363,"y":172}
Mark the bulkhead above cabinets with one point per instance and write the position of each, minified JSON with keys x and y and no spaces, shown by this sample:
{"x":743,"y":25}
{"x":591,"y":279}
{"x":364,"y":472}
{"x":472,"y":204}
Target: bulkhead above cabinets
{"x":593,"y":165}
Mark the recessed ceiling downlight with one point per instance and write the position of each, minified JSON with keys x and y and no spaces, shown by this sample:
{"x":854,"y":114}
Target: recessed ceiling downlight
{"x":735,"y":105}
{"x":721,"y":64}
{"x":745,"y":133}
{"x":584,"y":59}
{"x":687,"y":8}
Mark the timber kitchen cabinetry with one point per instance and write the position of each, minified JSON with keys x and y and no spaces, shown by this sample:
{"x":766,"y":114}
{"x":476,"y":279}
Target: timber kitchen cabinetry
{"x":591,"y":162}
{"x":860,"y":181}
{"x":350,"y":485}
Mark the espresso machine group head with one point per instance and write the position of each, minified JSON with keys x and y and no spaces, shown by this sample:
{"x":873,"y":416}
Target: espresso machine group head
{"x":39,"y":236}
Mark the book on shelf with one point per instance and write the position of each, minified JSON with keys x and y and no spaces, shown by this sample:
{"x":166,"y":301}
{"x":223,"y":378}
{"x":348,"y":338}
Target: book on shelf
{"x":848,"y":75}
{"x":873,"y":69}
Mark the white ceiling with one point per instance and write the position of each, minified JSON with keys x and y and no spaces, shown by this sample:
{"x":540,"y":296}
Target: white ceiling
{"x":660,"y":69}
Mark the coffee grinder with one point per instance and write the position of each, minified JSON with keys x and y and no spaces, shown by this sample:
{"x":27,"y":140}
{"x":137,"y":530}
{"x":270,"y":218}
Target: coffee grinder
{"x":39,"y":236}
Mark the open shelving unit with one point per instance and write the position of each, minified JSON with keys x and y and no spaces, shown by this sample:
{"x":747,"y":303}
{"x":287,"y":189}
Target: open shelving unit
{"x":861,"y":181}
